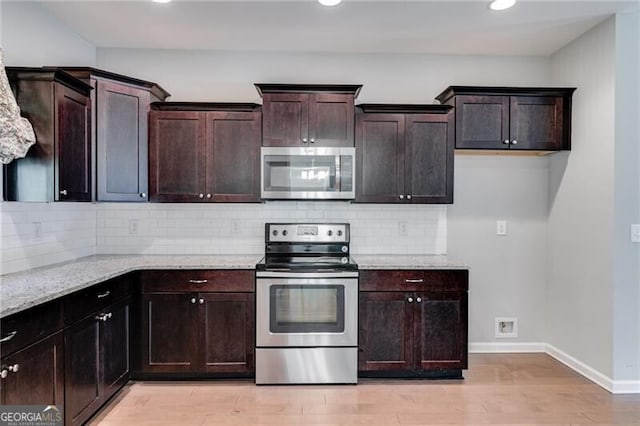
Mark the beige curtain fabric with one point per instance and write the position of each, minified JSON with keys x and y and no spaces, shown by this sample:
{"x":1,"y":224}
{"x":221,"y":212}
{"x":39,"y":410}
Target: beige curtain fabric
{"x":16,"y":133}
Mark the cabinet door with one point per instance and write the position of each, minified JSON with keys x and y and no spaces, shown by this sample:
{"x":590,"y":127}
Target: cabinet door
{"x":169,"y":332}
{"x":380,"y":158}
{"x":233,"y":156}
{"x":482,"y":122}
{"x":441,"y":330}
{"x":386,"y":331}
{"x":82,"y":381}
{"x":114,"y":349}
{"x":285,"y":119}
{"x":536,"y":123}
{"x":73,"y":145}
{"x":177,"y":166}
{"x":331,"y":118}
{"x":227,"y":332}
{"x":429,"y":158}
{"x":39,"y":379}
{"x":121,"y":140}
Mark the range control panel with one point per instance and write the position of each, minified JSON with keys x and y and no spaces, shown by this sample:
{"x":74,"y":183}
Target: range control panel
{"x":307,"y":232}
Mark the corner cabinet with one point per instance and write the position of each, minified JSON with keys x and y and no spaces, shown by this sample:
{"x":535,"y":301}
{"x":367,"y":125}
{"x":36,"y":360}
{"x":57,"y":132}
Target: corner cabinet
{"x":196,"y":324}
{"x":58,"y":166}
{"x":413,"y":323}
{"x":120,"y":109}
{"x":307,"y":115}
{"x":404,"y":154}
{"x":195,"y":150}
{"x":511,"y":118}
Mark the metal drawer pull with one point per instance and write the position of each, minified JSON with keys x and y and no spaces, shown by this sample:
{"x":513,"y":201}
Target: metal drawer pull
{"x":201,"y":301}
{"x":198,"y":281}
{"x":193,"y":300}
{"x":105,"y":294}
{"x":419,"y":280}
{"x":9,"y":337}
{"x":104,"y":317}
{"x":63,"y":192}
{"x":13,"y":368}
{"x":4,"y":373}
{"x":514,"y":142}
{"x":419,"y":299}
{"x":410,"y":300}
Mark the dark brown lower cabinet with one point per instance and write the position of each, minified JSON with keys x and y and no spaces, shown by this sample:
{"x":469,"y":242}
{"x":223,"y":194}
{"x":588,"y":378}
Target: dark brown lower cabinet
{"x":193,"y":334}
{"x":418,"y":332}
{"x":96,"y":360}
{"x":35,"y":374}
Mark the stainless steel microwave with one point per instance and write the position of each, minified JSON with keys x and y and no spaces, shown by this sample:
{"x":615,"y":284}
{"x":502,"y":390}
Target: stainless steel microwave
{"x":307,"y":173}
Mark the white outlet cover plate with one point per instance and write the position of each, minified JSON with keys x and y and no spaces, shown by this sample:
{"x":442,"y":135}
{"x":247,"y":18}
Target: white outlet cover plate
{"x":635,"y":233}
{"x":501,"y":227}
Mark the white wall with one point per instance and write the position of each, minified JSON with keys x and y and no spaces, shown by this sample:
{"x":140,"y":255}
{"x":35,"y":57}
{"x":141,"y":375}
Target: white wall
{"x":579,"y":297}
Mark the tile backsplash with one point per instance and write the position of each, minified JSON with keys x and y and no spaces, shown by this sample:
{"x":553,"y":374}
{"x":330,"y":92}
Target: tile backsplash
{"x":39,"y":234}
{"x":239,"y":228}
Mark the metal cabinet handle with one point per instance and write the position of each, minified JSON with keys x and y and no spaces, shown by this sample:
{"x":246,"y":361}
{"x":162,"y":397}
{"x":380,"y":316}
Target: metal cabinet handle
{"x":4,"y":373}
{"x":143,"y":195}
{"x":193,"y":300}
{"x":410,"y":300}
{"x":201,"y":196}
{"x":105,"y":294}
{"x":304,"y":140}
{"x":506,"y":141}
{"x":104,"y":317}
{"x":209,"y":196}
{"x":63,"y":192}
{"x":408,"y":197}
{"x":13,"y":368}
{"x":401,"y":197}
{"x":8,"y":337}
{"x":201,"y":301}
{"x":514,"y":142}
{"x":419,"y":299}
{"x":312,"y":140}
{"x":198,"y":281}
{"x":419,"y":280}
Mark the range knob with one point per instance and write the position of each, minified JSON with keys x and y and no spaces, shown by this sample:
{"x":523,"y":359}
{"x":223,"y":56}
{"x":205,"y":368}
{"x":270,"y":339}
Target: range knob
{"x":284,"y":232}
{"x":344,"y":260}
{"x":339,"y":233}
{"x":344,"y":249}
{"x":275,"y":232}
{"x":329,"y":232}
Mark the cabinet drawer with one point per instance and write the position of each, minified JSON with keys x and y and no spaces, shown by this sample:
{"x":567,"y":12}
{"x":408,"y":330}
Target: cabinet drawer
{"x":198,"y":281}
{"x":85,"y":302}
{"x":414,"y":280}
{"x":27,"y":327}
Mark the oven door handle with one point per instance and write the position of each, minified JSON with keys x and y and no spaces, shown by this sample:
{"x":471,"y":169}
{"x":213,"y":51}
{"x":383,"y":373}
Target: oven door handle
{"x":307,"y":275}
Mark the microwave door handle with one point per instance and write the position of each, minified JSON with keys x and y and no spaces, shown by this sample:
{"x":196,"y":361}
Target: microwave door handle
{"x":338,"y":183}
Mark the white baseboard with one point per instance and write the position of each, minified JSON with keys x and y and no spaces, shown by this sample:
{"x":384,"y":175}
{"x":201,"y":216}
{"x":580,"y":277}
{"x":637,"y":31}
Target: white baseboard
{"x":602,"y":380}
{"x":506,"y":347}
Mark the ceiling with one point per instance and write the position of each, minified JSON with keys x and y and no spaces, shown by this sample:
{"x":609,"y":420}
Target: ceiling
{"x":533,"y":27}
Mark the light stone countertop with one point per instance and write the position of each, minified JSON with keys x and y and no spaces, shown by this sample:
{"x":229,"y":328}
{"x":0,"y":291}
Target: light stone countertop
{"x":22,"y":290}
{"x":406,"y":261}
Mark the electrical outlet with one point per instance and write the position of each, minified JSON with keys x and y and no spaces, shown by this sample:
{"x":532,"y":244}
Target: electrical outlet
{"x":37,"y":231}
{"x":402,"y":229}
{"x":235,"y":227}
{"x":635,"y":233}
{"x":133,"y":226}
{"x":501,"y":227}
{"x":506,"y":327}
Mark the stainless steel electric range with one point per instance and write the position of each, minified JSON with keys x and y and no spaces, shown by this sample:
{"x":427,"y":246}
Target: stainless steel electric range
{"x":306,"y":305}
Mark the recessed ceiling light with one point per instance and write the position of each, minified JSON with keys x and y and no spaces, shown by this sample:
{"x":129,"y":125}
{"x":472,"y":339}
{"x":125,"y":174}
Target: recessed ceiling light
{"x":501,"y":4}
{"x":161,"y":1}
{"x":329,"y":2}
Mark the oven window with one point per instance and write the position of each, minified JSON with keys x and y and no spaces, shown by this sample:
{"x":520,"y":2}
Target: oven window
{"x":306,"y":309}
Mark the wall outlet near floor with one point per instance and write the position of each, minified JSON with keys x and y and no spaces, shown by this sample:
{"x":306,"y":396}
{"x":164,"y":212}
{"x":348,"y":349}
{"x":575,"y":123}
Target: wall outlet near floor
{"x":235,"y":227}
{"x":402,"y":229}
{"x":635,"y":233}
{"x":501,"y":227}
{"x":134,"y":225}
{"x":37,"y":231}
{"x":506,"y":327}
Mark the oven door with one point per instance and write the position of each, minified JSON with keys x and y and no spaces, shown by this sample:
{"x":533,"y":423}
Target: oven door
{"x":307,"y":173}
{"x":306,"y":312}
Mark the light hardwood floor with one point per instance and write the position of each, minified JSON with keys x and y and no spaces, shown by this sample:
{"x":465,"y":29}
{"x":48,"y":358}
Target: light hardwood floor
{"x":498,"y":389}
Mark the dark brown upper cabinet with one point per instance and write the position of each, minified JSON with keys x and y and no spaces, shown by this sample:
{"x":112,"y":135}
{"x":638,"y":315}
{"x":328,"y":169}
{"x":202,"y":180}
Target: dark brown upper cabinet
{"x":404,"y":154}
{"x":509,"y":118}
{"x":204,"y":152}
{"x":58,"y":166}
{"x":120,"y":109}
{"x":306,"y":114}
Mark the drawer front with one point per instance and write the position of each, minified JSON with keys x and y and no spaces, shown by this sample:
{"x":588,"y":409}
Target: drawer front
{"x":27,"y":327}
{"x":86,"y":302}
{"x":414,"y":280}
{"x":223,"y":280}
